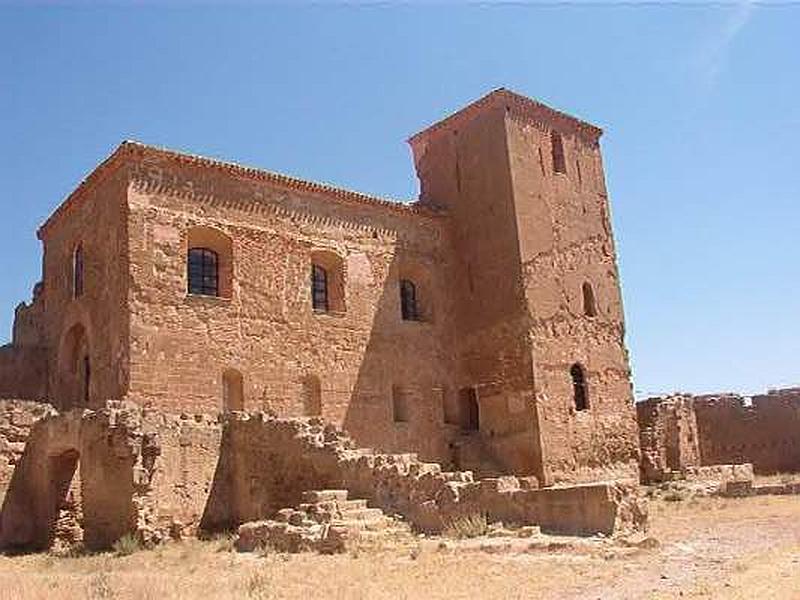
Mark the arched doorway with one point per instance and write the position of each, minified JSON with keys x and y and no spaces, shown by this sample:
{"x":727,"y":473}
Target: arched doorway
{"x":74,"y":376}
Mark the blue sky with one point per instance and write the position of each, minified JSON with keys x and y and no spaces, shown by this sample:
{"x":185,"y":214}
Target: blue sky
{"x":700,"y":104}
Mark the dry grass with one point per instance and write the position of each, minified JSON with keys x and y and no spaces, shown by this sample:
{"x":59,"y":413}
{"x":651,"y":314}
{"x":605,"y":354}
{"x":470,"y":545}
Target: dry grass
{"x":710,"y":548}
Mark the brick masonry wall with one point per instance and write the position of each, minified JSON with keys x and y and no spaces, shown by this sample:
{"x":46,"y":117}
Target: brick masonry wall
{"x":267,"y":330}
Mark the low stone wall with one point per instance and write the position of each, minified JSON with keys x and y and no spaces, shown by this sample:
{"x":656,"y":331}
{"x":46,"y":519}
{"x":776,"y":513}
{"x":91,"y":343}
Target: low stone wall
{"x":267,"y":463}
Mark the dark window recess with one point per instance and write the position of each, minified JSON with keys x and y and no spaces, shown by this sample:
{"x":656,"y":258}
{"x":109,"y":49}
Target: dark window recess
{"x":468,"y":409}
{"x":77,"y":272}
{"x":580,"y":390}
{"x":87,"y":378}
{"x":408,"y":300}
{"x":203,"y":270}
{"x":319,"y":288}
{"x":589,"y":304}
{"x":559,"y":163}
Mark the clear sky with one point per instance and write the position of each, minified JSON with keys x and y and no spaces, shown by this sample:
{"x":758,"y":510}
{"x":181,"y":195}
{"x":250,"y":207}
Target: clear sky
{"x":700,"y":106}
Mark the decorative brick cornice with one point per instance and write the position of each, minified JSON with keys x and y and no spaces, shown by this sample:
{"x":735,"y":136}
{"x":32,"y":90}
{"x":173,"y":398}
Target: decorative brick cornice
{"x":132,"y":150}
{"x":517,"y":106}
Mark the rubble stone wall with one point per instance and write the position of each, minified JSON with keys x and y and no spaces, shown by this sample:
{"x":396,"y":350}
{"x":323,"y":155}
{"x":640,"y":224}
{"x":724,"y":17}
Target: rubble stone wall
{"x":267,"y":463}
{"x":16,"y":419}
{"x":680,"y":432}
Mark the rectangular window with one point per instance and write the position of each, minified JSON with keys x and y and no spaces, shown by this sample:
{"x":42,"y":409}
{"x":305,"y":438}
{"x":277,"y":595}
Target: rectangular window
{"x":557,"y":144}
{"x":319,"y":288}
{"x":399,"y":404}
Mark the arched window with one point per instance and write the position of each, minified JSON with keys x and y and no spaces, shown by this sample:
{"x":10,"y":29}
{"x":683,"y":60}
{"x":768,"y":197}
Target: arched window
{"x":319,"y":288}
{"x":408,"y":300}
{"x":232,"y":390}
{"x":580,"y":391}
{"x":203,"y":270}
{"x":209,"y":262}
{"x":557,"y":147}
{"x":327,"y":282}
{"x":589,"y":304}
{"x":77,"y":271}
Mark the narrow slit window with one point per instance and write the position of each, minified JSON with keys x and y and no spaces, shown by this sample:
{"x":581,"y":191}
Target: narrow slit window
{"x":557,"y":144}
{"x":580,"y":391}
{"x":319,"y":288}
{"x":408,"y":300}
{"x":589,"y":302}
{"x":77,"y":272}
{"x":203,"y":271}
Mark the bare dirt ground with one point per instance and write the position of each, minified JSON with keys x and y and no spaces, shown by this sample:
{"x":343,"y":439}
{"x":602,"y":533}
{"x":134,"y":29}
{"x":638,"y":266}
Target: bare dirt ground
{"x":708,"y":548}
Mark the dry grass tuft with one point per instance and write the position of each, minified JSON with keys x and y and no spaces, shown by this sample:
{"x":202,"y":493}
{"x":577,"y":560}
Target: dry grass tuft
{"x":467,"y":526}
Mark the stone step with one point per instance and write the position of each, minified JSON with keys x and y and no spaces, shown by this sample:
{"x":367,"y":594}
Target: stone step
{"x":333,"y":505}
{"x":315,"y":496}
{"x":363,"y":514}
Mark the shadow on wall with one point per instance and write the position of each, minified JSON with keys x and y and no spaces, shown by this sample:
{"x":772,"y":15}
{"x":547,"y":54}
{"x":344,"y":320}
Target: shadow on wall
{"x":396,"y":403}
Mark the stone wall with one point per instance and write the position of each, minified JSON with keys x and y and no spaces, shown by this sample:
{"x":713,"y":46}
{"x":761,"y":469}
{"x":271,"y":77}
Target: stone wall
{"x":132,"y":471}
{"x":23,"y":373}
{"x":678,"y":432}
{"x":266,"y":330}
{"x":16,"y":419}
{"x":668,"y":437}
{"x":266,"y":464}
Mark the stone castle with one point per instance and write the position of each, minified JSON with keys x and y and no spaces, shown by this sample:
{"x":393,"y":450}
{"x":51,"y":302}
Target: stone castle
{"x":480,"y":326}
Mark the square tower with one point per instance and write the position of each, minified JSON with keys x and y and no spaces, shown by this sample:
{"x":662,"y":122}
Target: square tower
{"x":539,"y":320}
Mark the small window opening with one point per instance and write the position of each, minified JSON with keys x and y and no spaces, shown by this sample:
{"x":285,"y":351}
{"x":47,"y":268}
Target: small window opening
{"x":408,"y":300}
{"x":312,"y":396}
{"x":589,"y":303}
{"x":400,"y":408}
{"x":203,"y":269}
{"x":578,"y":171}
{"x":468,"y":409}
{"x":449,"y":407}
{"x":232,"y":390}
{"x":77,"y":272}
{"x":87,"y":379}
{"x":580,"y":391}
{"x":319,"y":288}
{"x":559,"y":162}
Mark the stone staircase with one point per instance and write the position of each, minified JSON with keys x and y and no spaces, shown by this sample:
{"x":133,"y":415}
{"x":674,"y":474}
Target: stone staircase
{"x":326,"y":521}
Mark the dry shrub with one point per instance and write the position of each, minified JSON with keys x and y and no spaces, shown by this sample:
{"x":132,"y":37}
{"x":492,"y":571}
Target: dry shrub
{"x":467,"y":526}
{"x":126,"y":545}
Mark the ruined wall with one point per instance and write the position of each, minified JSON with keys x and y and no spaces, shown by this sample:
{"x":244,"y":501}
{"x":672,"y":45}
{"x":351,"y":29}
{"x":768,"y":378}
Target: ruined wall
{"x":668,"y":437}
{"x":16,"y":419}
{"x":565,"y":243}
{"x":23,"y":373}
{"x":183,"y":470}
{"x":267,"y":463}
{"x":680,"y":432}
{"x":266,"y":330}
{"x":95,"y":323}
{"x":766,"y":434}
